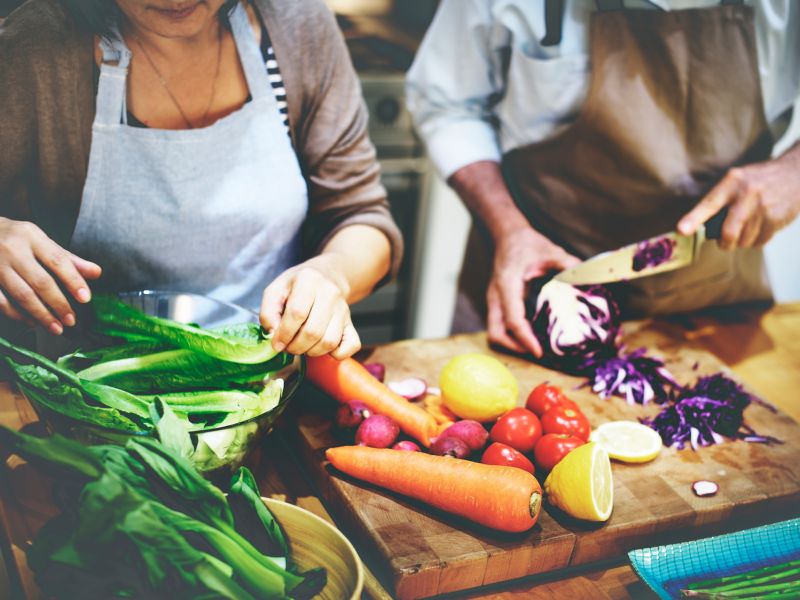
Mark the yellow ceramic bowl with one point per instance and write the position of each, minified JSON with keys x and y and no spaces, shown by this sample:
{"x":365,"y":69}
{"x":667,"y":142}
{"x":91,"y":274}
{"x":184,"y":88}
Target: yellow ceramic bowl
{"x":316,"y":543}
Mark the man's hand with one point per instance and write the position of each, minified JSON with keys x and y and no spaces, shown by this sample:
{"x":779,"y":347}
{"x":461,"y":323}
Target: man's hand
{"x":761,"y":199}
{"x":31,"y":268}
{"x":520,"y":256}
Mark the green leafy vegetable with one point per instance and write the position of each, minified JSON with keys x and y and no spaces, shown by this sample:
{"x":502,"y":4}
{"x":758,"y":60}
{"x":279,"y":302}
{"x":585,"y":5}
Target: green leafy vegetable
{"x":116,"y":315}
{"x":147,"y":525}
{"x":178,"y":371}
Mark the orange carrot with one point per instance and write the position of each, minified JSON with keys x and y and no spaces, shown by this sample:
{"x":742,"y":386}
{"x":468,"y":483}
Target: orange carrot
{"x":503,"y":498}
{"x":348,"y":380}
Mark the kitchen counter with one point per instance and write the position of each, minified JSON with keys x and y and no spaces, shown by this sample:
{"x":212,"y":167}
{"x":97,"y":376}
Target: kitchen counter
{"x":762,"y":346}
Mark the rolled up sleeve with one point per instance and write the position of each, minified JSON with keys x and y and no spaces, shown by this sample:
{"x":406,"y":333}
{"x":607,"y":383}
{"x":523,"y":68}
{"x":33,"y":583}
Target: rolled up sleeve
{"x":452,"y":85}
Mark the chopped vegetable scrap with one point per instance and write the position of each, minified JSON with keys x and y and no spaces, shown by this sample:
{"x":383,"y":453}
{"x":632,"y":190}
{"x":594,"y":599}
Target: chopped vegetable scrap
{"x":652,"y":253}
{"x":703,"y":414}
{"x":704,"y":488}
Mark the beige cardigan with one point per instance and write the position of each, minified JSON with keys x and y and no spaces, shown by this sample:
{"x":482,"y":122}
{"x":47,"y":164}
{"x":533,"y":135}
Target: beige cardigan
{"x":47,"y":108}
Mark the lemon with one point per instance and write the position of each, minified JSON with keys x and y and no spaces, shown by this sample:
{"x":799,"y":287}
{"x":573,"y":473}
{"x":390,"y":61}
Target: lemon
{"x":581,"y":484}
{"x":478,"y":386}
{"x":628,"y":441}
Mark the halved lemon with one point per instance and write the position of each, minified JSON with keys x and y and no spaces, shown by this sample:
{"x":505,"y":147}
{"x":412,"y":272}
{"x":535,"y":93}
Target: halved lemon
{"x":581,"y":484}
{"x":628,"y":441}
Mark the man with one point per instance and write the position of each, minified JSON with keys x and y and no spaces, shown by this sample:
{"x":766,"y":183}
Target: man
{"x":570,"y":128}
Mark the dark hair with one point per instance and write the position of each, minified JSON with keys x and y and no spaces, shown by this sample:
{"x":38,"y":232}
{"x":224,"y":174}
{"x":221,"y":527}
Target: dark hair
{"x":98,"y":16}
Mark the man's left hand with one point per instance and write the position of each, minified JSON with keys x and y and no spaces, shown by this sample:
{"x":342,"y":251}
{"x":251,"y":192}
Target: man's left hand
{"x":761,"y":199}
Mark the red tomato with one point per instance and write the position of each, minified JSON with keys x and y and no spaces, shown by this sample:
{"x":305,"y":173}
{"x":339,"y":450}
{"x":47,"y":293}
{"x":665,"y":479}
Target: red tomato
{"x":566,"y":420}
{"x":518,"y":428}
{"x":506,"y":456}
{"x":545,"y":396}
{"x":553,"y":447}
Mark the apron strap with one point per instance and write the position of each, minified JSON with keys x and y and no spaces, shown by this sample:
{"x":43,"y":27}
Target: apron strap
{"x":111,"y":106}
{"x":553,"y":19}
{"x":255,"y":71}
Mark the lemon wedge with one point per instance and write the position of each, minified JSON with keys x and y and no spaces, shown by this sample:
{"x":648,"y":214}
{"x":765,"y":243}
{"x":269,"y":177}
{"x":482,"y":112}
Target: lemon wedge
{"x":628,"y":441}
{"x":581,"y":484}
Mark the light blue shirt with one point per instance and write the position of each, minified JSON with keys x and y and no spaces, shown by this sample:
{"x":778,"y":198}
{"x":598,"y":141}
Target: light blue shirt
{"x":455,"y":88}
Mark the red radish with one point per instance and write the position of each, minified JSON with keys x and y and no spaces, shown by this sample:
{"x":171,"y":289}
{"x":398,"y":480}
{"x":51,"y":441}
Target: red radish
{"x":377,"y":431}
{"x":434,"y":391}
{"x":350,"y":415}
{"x":448,"y":446}
{"x":471,"y":432}
{"x":376,"y":369}
{"x":410,"y":389}
{"x":406,"y":445}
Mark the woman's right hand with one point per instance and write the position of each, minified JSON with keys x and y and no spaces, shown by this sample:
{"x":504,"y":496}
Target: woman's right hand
{"x":32,"y":269}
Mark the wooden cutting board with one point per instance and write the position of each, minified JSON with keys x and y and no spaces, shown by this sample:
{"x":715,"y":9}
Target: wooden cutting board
{"x":423,"y":552}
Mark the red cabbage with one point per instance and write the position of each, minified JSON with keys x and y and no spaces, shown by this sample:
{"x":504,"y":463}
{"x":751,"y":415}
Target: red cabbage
{"x":636,"y":377}
{"x":653,"y":253}
{"x":575,"y":325}
{"x":703,"y":414}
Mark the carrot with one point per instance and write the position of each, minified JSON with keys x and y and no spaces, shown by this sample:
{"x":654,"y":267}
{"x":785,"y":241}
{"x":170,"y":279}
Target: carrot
{"x":348,"y":380}
{"x":503,"y":498}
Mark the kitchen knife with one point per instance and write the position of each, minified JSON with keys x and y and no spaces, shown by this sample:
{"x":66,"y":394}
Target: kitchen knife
{"x":619,"y":265}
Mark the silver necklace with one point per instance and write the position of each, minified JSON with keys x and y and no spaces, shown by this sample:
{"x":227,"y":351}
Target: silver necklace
{"x":165,"y":84}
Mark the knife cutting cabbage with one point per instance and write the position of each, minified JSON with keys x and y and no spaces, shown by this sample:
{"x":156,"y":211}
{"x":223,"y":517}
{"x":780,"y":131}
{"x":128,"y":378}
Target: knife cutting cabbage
{"x":658,"y":254}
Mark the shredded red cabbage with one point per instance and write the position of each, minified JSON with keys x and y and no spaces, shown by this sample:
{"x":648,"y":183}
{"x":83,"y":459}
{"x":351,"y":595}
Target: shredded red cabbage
{"x":636,"y":377}
{"x":653,"y":253}
{"x":703,"y":414}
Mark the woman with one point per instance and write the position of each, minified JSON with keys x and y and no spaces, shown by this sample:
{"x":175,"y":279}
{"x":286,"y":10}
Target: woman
{"x":200,"y":145}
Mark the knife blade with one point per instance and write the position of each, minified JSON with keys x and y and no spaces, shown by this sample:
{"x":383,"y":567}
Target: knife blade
{"x":619,"y":265}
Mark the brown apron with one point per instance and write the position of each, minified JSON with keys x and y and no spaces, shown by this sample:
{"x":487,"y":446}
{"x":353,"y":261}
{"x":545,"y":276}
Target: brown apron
{"x":674,"y":101}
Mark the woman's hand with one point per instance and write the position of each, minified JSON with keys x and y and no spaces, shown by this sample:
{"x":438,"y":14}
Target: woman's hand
{"x":520,"y":256}
{"x":306,"y":307}
{"x":32,"y":266}
{"x":761,"y":199}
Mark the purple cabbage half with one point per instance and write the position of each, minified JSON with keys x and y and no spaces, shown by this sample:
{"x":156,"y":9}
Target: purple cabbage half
{"x":703,"y":414}
{"x":576,"y":325}
{"x":579,"y":329}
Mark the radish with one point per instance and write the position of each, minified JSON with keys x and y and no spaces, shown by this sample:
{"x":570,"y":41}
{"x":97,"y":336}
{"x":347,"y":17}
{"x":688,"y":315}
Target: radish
{"x":406,"y":445}
{"x":376,"y":369}
{"x":448,"y":446}
{"x":410,"y":389}
{"x":472,"y":433}
{"x":377,"y":431}
{"x":350,"y":415}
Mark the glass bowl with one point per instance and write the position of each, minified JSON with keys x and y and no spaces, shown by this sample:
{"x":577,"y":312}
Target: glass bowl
{"x":218,"y":450}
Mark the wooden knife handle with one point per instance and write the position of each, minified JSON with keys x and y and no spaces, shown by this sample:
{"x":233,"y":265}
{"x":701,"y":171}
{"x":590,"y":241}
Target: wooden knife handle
{"x":714,"y":225}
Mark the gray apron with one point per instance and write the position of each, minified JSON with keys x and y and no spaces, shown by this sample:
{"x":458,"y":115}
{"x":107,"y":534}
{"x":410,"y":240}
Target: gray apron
{"x":214,"y":211}
{"x":674,"y":102}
